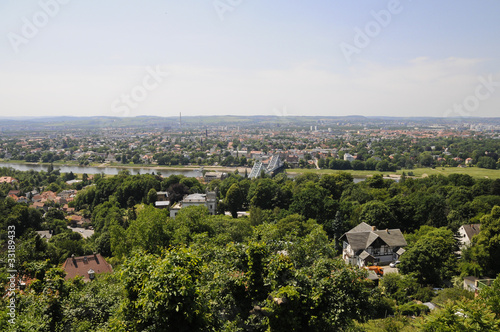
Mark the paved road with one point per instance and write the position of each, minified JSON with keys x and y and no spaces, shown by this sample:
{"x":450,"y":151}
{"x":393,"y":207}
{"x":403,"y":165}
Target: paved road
{"x":86,"y":233}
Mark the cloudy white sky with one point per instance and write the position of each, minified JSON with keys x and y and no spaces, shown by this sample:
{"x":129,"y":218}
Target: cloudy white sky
{"x":249,"y":57}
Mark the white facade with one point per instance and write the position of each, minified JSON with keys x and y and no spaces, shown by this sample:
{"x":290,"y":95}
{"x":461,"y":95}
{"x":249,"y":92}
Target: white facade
{"x":348,"y":157}
{"x":209,"y":200}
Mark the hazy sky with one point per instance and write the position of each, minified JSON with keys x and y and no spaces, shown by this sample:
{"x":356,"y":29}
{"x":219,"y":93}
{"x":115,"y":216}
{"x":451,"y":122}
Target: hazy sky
{"x":249,"y":57}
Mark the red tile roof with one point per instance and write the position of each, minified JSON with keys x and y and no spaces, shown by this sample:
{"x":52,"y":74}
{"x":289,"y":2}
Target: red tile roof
{"x":80,"y":266}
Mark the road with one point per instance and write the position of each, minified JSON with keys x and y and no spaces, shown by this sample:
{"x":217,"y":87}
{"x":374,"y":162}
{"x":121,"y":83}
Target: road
{"x":86,"y":233}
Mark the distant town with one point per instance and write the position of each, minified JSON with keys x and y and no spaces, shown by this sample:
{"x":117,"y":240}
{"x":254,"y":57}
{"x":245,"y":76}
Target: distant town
{"x":308,"y":142}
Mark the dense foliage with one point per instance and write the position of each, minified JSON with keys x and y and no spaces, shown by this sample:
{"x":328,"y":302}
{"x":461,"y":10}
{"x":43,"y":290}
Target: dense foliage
{"x":277,"y":269}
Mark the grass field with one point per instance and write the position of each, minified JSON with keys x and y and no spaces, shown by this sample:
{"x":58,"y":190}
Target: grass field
{"x":417,"y":172}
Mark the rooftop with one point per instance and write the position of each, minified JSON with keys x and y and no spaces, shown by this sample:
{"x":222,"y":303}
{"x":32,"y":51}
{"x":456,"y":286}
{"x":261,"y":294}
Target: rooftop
{"x":80,"y":266}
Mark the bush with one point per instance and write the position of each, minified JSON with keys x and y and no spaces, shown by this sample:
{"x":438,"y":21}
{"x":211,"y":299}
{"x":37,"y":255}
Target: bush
{"x":412,"y":309}
{"x":452,"y":294}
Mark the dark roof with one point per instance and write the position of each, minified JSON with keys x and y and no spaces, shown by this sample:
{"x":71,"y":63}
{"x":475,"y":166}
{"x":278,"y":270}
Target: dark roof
{"x":363,"y":227}
{"x":80,"y":266}
{"x":362,"y":236}
{"x":472,"y":230}
{"x":365,"y":254}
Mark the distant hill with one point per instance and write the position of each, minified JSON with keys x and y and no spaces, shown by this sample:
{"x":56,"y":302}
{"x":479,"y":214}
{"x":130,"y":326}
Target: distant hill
{"x":96,"y":122}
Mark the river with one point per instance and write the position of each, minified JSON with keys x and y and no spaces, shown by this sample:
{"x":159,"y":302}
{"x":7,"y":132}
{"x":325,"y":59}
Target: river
{"x":114,"y":170}
{"x":106,"y":170}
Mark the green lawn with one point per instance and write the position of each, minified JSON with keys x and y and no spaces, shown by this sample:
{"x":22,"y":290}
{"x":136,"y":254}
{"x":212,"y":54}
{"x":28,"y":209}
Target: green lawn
{"x":400,"y":324}
{"x":418,"y":172}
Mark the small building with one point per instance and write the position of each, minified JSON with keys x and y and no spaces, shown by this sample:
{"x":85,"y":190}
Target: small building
{"x":209,"y":200}
{"x":39,"y":206}
{"x":466,"y":233}
{"x":210,"y":176}
{"x":86,"y":266}
{"x":76,"y":220}
{"x":162,"y":200}
{"x":45,"y":234}
{"x":349,"y":157}
{"x":7,"y":179}
{"x":365,"y":245}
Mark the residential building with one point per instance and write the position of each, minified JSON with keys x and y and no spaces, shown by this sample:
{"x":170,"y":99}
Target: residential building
{"x":209,"y":200}
{"x":210,"y":176}
{"x":349,"y":157}
{"x":466,"y":232}
{"x":365,"y":245}
{"x":162,"y":200}
{"x":86,"y":266}
{"x":7,"y":179}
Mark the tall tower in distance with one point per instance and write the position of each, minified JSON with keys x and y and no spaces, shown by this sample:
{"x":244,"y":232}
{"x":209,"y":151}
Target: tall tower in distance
{"x":180,"y":120}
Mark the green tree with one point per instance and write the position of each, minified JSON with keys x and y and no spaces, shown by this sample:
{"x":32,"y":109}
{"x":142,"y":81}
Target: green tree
{"x":152,"y":196}
{"x":485,"y":249}
{"x":309,"y":201}
{"x":432,"y":258}
{"x":465,"y":315}
{"x":377,"y":214}
{"x":262,"y":194}
{"x":161,"y":292}
{"x":234,"y":199}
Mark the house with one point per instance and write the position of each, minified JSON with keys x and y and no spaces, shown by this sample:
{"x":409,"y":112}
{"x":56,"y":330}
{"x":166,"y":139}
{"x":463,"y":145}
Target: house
{"x":349,"y":157}
{"x":86,"y":266}
{"x":14,"y":192}
{"x":39,"y":206}
{"x":45,"y":234}
{"x":474,"y":284}
{"x":66,"y":194}
{"x":466,"y":232}
{"x":76,"y":220}
{"x":47,"y":196}
{"x":21,"y":199}
{"x":7,"y":179}
{"x":210,"y":176}
{"x":209,"y":200}
{"x":67,"y":209}
{"x":365,"y":245}
{"x":162,"y":200}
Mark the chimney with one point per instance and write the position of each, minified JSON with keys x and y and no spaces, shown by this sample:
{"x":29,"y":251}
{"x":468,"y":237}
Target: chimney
{"x":387,"y":230}
{"x":374,"y":228}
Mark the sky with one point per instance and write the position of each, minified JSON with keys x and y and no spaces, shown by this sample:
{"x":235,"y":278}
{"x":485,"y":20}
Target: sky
{"x":249,"y":57}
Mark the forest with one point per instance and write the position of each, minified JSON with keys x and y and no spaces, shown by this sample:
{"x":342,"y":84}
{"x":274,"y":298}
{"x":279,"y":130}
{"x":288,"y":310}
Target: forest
{"x":279,"y":268}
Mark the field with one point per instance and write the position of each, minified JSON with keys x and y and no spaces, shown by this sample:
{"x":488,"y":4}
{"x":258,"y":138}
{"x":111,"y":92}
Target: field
{"x":417,"y":172}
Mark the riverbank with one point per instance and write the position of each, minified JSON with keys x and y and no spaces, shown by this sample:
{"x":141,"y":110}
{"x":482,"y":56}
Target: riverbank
{"x":195,"y":170}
